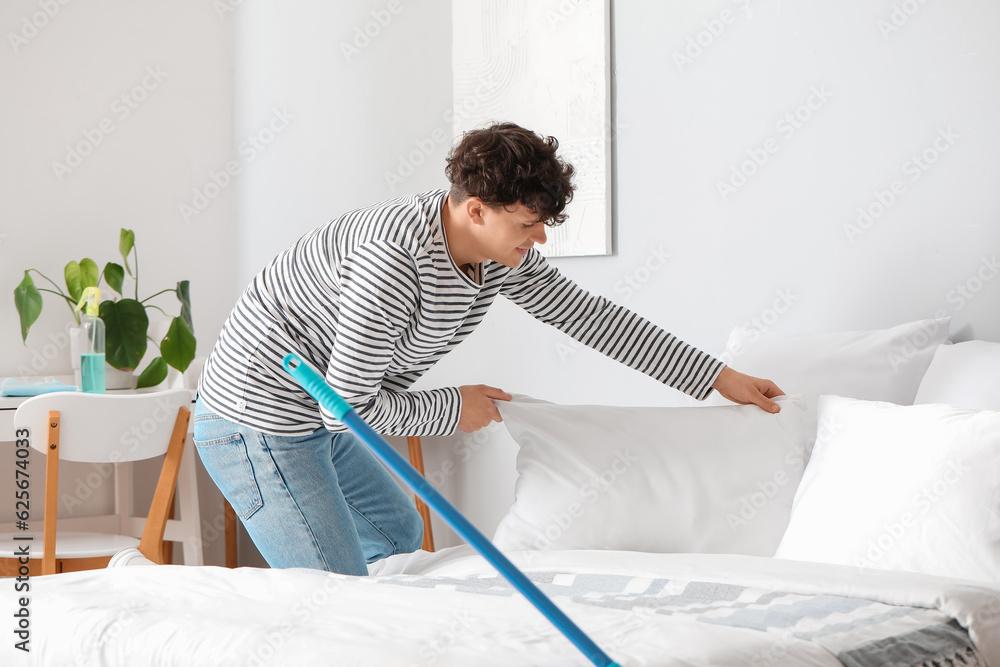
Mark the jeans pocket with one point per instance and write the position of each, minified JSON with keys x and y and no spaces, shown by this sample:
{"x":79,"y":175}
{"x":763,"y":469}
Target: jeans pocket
{"x":228,"y":463}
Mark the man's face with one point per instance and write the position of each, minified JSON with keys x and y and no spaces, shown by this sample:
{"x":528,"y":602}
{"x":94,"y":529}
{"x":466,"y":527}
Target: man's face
{"x":509,"y":233}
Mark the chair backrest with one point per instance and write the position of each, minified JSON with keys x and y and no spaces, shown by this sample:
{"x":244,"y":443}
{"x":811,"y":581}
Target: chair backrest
{"x":104,"y":427}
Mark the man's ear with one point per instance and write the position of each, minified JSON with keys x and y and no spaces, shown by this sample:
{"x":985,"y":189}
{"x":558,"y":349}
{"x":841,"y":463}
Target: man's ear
{"x":474,"y":208}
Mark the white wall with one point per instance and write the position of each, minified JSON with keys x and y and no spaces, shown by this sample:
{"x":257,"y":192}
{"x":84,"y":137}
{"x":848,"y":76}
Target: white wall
{"x":313,"y":128}
{"x":679,"y":132}
{"x":367,"y":89}
{"x":63,"y":88}
{"x":64,"y":68}
{"x":367,"y":86}
{"x":681,"y":127}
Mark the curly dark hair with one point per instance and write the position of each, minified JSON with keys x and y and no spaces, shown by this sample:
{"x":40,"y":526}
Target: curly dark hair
{"x":505,"y":165}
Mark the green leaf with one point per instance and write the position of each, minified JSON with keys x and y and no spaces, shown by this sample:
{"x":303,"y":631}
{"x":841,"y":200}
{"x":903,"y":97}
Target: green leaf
{"x":28,"y":300}
{"x":178,"y":346}
{"x":125,"y":243}
{"x":74,"y":281}
{"x":80,"y":276}
{"x":125,"y":326}
{"x":184,"y":295}
{"x":89,"y":275}
{"x":155,"y":373}
{"x":115,"y":275}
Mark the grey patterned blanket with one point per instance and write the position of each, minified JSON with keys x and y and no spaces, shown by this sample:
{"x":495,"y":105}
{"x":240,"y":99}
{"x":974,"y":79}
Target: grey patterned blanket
{"x":859,"y":632}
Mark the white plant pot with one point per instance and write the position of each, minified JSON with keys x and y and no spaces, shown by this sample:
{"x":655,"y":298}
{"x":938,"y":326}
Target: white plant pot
{"x":75,"y":341}
{"x":117,"y":379}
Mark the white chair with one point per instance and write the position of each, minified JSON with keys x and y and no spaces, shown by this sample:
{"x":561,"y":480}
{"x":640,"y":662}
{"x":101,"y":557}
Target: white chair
{"x":99,"y":428}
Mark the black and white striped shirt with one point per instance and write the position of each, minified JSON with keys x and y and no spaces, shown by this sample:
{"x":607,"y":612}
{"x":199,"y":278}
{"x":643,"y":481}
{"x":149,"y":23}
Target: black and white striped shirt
{"x":374,"y":299}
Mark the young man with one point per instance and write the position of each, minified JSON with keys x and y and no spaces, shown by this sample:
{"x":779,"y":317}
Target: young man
{"x":374,"y":299}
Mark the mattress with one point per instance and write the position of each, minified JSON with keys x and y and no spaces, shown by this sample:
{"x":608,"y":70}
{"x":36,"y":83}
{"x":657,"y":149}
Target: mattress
{"x":451,"y":608}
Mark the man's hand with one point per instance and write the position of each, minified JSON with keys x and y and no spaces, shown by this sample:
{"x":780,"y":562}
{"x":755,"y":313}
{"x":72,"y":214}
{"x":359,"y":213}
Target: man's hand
{"x":744,"y":389}
{"x":477,"y":406}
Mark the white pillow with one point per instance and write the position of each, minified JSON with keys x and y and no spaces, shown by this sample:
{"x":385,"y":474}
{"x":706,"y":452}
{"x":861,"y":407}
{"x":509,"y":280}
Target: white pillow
{"x":966,"y":375}
{"x":717,"y":480}
{"x":878,"y":365}
{"x":894,"y":487}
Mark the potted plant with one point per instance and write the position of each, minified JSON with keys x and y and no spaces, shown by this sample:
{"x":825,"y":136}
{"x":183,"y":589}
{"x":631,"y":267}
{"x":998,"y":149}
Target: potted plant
{"x":125,"y":320}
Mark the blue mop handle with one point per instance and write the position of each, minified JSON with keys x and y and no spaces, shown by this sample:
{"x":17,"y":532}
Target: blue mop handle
{"x":317,"y":387}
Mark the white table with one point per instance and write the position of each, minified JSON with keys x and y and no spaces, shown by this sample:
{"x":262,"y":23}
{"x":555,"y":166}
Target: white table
{"x":186,"y":530}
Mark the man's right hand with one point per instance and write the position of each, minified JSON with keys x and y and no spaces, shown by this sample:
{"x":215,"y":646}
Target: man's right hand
{"x":478,"y":409}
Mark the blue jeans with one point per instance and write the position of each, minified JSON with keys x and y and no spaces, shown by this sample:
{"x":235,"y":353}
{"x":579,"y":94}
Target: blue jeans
{"x":320,"y":501}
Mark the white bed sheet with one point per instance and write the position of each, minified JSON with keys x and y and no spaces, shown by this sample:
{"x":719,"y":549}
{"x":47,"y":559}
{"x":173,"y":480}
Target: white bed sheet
{"x":190,"y":616}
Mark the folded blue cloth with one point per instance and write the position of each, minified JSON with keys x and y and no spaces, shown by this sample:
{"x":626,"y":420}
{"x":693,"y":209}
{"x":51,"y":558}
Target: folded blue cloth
{"x":15,"y":387}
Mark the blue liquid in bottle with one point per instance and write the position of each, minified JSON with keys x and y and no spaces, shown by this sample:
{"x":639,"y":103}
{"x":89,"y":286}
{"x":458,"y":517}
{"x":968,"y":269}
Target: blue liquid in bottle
{"x":92,"y":354}
{"x":92,"y":373}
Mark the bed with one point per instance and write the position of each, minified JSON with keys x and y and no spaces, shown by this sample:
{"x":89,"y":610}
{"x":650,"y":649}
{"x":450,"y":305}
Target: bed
{"x":450,"y":609}
{"x":858,"y":527}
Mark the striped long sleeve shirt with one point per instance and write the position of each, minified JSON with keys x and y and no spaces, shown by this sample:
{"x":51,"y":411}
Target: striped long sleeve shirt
{"x":374,"y":300}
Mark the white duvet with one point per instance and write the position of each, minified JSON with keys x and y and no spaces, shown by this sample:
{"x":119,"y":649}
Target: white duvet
{"x":419,"y":611}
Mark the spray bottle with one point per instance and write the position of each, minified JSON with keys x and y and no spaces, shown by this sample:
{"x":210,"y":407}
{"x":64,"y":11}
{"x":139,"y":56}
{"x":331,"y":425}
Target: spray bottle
{"x":92,"y":354}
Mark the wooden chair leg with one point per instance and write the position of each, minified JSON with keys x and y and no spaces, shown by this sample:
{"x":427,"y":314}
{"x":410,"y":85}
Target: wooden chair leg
{"x":151,"y":543}
{"x":417,"y":459}
{"x":168,"y":547}
{"x":232,"y":555}
{"x":51,"y":496}
{"x":83,"y":564}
